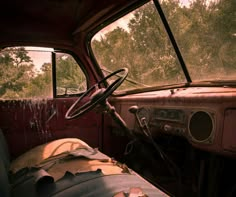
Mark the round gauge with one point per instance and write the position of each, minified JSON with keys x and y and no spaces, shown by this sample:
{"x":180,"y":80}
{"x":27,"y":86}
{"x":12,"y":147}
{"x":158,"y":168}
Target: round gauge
{"x":201,"y":126}
{"x":143,"y":113}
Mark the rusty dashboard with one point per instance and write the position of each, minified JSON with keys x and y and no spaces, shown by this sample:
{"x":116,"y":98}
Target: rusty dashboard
{"x":204,"y":116}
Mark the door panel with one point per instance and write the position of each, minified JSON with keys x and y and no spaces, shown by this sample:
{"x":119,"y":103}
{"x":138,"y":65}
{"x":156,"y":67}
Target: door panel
{"x":29,"y":123}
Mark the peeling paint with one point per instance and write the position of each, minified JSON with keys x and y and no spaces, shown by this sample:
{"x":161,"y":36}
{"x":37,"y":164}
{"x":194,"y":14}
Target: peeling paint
{"x":28,"y":123}
{"x":29,"y":118}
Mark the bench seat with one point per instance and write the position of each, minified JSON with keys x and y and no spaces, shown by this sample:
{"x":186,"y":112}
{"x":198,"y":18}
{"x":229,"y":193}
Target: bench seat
{"x":68,"y":167}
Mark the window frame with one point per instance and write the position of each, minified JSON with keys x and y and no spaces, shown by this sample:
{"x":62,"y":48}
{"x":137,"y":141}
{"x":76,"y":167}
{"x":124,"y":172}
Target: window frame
{"x":81,"y":66}
{"x":100,"y":27}
{"x":52,"y":53}
{"x":170,"y":37}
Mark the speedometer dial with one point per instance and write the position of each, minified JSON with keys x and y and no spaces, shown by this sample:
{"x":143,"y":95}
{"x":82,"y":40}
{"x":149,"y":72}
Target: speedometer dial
{"x":169,"y":114}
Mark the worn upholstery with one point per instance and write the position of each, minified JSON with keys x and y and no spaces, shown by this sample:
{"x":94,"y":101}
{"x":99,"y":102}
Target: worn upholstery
{"x":68,"y":154}
{"x":43,"y":152}
{"x":68,"y":168}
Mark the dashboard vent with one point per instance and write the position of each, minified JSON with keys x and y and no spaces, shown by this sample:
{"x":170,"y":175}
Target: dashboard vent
{"x":201,"y":126}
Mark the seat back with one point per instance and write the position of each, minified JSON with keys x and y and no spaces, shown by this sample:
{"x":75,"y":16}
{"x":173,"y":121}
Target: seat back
{"x":4,"y":166}
{"x":4,"y":182}
{"x":4,"y":153}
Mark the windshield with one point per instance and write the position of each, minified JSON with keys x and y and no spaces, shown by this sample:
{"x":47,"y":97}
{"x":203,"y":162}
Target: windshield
{"x":203,"y":29}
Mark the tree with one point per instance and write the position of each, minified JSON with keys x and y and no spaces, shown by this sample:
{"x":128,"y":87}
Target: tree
{"x":205,"y":32}
{"x":15,"y":72}
{"x":159,"y":63}
{"x":69,"y":74}
{"x":40,"y":86}
{"x":225,"y":34}
{"x":145,"y":49}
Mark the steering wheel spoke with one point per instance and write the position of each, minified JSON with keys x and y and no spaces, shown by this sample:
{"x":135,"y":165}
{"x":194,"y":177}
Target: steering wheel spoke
{"x":99,"y":96}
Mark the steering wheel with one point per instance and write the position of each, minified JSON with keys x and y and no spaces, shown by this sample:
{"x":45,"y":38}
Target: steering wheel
{"x":98,"y":97}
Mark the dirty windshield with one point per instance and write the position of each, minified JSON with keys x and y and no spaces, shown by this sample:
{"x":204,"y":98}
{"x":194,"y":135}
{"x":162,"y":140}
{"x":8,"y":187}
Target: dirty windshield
{"x":205,"y":33}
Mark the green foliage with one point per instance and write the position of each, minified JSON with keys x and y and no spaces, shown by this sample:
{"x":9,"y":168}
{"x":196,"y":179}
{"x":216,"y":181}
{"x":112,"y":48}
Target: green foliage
{"x":69,"y":75}
{"x":15,"y":72}
{"x":205,"y":33}
{"x":19,"y":78}
{"x":204,"y":30}
{"x":40,"y":85}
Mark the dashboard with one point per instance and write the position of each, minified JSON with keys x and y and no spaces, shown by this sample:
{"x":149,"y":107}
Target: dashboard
{"x":196,"y":125}
{"x":205,"y":116}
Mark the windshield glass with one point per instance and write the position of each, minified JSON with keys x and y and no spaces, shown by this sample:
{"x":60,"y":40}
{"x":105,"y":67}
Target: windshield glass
{"x":204,"y":31}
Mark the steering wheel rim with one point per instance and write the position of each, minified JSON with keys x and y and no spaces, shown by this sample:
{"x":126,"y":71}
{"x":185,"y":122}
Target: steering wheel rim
{"x":98,"y":96}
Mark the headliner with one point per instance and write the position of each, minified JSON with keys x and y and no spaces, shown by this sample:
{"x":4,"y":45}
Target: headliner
{"x":52,"y":22}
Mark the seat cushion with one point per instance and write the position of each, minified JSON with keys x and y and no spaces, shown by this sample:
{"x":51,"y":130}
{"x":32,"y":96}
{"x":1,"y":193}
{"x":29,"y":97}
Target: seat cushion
{"x":75,"y":169}
{"x":40,"y":153}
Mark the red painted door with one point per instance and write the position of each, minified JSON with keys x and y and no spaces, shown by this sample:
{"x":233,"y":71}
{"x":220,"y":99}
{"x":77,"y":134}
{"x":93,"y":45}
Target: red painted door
{"x":29,"y":123}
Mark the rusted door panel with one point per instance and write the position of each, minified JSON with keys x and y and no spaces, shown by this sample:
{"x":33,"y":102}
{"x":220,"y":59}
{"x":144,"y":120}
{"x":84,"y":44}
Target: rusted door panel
{"x":30,"y":123}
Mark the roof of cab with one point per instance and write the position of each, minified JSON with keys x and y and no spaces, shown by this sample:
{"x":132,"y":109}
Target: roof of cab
{"x":52,"y":22}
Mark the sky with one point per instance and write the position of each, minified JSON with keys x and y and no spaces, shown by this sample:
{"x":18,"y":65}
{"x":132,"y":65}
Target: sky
{"x":41,"y":57}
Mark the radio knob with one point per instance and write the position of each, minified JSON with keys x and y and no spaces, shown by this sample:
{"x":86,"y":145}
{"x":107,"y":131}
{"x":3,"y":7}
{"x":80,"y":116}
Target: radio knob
{"x":167,"y":128}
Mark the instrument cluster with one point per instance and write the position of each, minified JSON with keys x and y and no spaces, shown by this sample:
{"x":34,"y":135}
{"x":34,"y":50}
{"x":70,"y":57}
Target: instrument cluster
{"x":194,"y":124}
{"x":166,"y":120}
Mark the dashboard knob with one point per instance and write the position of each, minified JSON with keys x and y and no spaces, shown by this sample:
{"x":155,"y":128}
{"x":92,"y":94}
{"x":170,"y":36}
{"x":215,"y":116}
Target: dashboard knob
{"x":133,"y":109}
{"x":167,"y":128}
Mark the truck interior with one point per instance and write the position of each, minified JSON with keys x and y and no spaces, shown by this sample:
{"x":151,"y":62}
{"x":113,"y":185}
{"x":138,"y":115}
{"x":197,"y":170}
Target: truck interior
{"x":117,"y":98}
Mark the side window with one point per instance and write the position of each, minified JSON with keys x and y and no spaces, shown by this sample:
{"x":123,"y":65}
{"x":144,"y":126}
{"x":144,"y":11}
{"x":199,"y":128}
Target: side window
{"x":70,"y":79}
{"x":26,"y":73}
